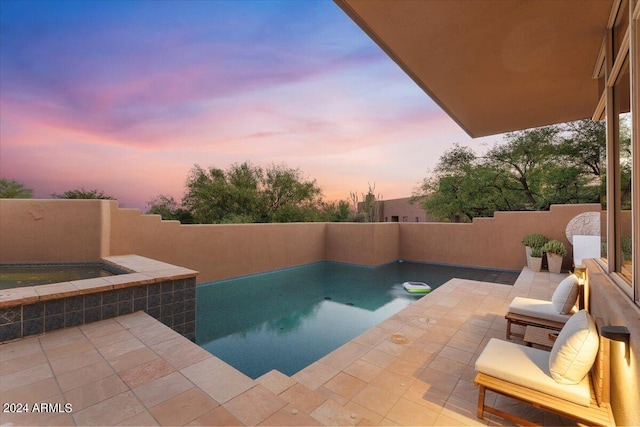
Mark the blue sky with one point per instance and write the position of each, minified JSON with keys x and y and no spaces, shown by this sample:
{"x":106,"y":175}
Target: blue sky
{"x":126,"y":96}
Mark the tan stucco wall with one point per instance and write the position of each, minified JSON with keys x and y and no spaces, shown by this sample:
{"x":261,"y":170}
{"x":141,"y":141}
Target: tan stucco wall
{"x":490,"y":242}
{"x":217,"y":251}
{"x":610,"y":306}
{"x":362,"y":243}
{"x":224,"y":251}
{"x":85,"y":230}
{"x":53,"y":231}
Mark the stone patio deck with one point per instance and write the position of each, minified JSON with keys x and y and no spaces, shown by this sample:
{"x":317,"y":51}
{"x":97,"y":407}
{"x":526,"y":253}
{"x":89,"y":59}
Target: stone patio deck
{"x":415,"y":368}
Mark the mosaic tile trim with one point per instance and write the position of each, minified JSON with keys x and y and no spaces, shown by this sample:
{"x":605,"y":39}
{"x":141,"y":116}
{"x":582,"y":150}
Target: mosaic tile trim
{"x":173,"y":302}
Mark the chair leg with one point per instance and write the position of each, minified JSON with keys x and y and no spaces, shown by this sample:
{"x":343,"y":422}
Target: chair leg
{"x":508,"y":329}
{"x":481,"y":392}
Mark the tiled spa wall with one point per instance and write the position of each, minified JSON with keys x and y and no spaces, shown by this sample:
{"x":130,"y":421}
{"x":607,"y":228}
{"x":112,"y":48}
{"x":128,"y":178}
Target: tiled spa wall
{"x":173,"y":302}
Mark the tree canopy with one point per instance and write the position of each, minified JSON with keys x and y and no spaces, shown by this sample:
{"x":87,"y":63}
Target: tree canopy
{"x":81,"y":193}
{"x":14,"y":190}
{"x":531,"y":170}
{"x":247,"y":194}
{"x":168,"y":208}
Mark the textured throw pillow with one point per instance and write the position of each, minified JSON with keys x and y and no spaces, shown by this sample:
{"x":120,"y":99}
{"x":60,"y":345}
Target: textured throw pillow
{"x":566,"y":294}
{"x":575,"y":349}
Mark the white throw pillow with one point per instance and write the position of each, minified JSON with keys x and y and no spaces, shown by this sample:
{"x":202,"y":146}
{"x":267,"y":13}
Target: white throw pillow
{"x":575,"y":349}
{"x":566,"y":294}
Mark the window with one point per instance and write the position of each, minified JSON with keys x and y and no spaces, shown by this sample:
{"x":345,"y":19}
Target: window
{"x":622,"y":83}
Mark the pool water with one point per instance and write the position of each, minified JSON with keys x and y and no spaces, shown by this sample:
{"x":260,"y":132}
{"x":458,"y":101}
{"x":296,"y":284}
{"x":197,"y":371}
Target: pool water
{"x":288,"y":319}
{"x":15,"y":276}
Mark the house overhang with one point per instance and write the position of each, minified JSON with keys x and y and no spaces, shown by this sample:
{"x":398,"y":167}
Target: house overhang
{"x":494,"y":65}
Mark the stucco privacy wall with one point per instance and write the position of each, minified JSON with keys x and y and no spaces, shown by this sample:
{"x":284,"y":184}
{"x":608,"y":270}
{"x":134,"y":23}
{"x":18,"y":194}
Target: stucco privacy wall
{"x":86,"y":230}
{"x":362,"y":243}
{"x":490,"y":242}
{"x":217,"y":251}
{"x":53,"y":231}
{"x":230,"y":250}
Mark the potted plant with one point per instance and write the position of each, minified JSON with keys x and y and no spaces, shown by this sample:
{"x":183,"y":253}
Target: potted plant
{"x":533,"y":240}
{"x":555,"y":251}
{"x":535,"y":259}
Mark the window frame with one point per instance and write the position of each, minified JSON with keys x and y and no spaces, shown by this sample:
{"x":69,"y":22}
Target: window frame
{"x":614,"y":58}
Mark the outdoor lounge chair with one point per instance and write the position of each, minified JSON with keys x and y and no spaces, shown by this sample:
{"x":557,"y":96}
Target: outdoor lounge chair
{"x":572,"y":380}
{"x":546,"y":314}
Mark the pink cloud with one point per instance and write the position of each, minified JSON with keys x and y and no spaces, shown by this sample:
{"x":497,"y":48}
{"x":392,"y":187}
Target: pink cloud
{"x":133,"y":106}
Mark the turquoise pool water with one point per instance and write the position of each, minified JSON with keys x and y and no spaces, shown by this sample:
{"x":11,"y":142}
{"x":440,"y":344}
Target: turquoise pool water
{"x":288,"y":319}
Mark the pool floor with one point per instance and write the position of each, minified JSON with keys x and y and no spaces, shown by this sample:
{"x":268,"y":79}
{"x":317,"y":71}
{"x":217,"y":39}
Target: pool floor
{"x":288,"y":319}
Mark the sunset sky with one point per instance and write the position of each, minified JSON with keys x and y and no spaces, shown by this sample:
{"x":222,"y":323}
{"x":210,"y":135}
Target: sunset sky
{"x":126,"y":96}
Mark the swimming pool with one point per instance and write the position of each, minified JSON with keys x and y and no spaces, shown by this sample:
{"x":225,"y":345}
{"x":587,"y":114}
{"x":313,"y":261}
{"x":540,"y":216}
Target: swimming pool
{"x":288,"y":319}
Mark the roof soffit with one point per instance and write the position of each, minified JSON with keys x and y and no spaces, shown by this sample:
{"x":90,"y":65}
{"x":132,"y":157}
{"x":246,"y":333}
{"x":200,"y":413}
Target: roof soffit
{"x":493,"y":65}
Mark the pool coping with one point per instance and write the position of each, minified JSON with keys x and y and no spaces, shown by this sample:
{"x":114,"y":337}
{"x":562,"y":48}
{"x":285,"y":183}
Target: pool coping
{"x":143,"y":271}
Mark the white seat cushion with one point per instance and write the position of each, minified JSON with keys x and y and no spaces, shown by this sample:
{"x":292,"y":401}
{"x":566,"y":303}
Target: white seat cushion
{"x":566,"y":294}
{"x":575,"y":349}
{"x":537,"y":308}
{"x":528,"y":367}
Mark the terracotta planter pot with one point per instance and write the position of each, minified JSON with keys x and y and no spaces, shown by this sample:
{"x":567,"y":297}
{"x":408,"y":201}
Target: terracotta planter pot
{"x":555,"y":263}
{"x":535,"y":263}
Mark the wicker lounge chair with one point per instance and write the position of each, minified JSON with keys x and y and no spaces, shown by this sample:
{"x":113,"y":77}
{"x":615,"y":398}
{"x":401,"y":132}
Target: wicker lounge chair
{"x":546,"y":314}
{"x":534,"y":376}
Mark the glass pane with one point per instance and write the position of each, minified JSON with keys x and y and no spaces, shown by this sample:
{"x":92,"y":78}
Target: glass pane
{"x":626,"y":255}
{"x":624,"y":258}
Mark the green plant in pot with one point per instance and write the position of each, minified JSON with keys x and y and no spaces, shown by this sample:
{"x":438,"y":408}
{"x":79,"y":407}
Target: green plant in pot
{"x":535,"y":260}
{"x":555,"y":251}
{"x":533,"y":240}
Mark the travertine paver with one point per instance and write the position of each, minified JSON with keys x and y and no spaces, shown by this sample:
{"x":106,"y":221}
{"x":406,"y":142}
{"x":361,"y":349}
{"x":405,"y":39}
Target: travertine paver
{"x":255,"y":405}
{"x":216,"y":417}
{"x":217,"y":379}
{"x":95,"y":392}
{"x":415,"y":368}
{"x":276,"y":381}
{"x":162,"y":389}
{"x":183,"y":408}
